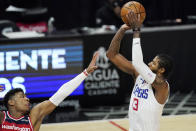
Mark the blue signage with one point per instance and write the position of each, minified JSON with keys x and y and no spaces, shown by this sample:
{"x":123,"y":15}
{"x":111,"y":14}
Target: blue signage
{"x":40,"y":68}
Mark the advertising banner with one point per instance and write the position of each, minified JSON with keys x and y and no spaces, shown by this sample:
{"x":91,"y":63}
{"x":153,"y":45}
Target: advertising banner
{"x":40,"y":68}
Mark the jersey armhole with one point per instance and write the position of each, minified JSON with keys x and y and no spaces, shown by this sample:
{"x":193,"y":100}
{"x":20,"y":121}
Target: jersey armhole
{"x":4,"y":116}
{"x":30,"y":122}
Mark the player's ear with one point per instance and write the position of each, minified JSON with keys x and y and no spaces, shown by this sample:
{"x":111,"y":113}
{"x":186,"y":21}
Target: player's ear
{"x":11,"y":102}
{"x":162,"y":70}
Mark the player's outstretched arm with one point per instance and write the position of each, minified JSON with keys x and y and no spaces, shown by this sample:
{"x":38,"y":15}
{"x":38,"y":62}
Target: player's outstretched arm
{"x":41,"y":110}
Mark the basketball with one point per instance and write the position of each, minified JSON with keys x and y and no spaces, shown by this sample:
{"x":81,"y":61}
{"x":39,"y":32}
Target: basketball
{"x":134,"y":6}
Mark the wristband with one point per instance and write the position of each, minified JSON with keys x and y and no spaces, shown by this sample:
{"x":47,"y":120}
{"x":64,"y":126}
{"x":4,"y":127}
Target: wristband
{"x":85,"y":72}
{"x":136,"y":29}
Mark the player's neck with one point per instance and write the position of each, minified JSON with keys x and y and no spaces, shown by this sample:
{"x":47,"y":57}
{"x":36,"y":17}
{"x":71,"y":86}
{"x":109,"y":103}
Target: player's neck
{"x":15,"y":113}
{"x":161,"y":78}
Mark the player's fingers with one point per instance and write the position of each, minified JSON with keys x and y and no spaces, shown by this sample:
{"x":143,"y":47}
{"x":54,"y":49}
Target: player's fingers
{"x":129,"y":17}
{"x":92,"y":68}
{"x":138,"y":17}
{"x":134,"y":16}
{"x":95,"y":56}
{"x":95,"y":67}
{"x":94,"y":59}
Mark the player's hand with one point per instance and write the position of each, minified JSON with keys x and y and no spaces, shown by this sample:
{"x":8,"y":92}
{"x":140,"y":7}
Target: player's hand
{"x":125,"y":27}
{"x":92,"y":65}
{"x":134,"y":20}
{"x":1,"y":88}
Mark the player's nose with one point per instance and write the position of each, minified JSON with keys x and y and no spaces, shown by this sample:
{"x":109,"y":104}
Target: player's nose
{"x":27,"y":98}
{"x":149,"y":64}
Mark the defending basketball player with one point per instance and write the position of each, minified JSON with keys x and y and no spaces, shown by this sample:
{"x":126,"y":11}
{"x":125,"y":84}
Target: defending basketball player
{"x":19,"y":116}
{"x":151,"y":89}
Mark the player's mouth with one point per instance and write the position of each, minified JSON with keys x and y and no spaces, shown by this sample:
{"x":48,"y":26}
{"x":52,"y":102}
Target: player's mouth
{"x":28,"y":105}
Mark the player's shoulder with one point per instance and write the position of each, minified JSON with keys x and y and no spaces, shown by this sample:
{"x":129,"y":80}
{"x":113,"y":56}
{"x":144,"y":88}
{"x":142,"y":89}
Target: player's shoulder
{"x":138,"y":77}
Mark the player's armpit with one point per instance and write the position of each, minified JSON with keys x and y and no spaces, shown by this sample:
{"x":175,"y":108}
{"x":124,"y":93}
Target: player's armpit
{"x":41,"y":110}
{"x":162,"y":91}
{"x":159,"y":83}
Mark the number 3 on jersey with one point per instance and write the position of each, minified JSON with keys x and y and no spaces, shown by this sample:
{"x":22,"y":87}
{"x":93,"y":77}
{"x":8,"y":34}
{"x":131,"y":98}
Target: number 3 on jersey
{"x":135,"y":104}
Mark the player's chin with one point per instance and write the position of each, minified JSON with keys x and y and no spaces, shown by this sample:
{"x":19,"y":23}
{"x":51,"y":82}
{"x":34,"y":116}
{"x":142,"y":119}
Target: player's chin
{"x":151,"y":68}
{"x":154,"y":71}
{"x":27,"y":109}
{"x":26,"y":112}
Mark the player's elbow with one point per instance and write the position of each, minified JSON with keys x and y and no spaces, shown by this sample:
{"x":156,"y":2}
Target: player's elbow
{"x":110,"y":55}
{"x":135,"y":63}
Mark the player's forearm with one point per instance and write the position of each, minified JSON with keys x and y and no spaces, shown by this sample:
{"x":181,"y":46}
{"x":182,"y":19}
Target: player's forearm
{"x":67,"y":88}
{"x":115,"y":43}
{"x":137,"y":61}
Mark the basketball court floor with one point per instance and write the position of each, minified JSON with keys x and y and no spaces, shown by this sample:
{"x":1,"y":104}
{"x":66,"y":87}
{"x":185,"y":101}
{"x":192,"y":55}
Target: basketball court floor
{"x":168,"y":123}
{"x":179,"y":115}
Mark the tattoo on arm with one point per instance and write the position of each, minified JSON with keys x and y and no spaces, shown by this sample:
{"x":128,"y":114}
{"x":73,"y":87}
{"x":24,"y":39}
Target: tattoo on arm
{"x":115,"y":44}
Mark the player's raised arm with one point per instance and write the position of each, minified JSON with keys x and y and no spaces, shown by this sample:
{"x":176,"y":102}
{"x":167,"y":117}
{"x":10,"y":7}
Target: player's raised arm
{"x":115,"y":57}
{"x":137,"y":55}
{"x":41,"y":110}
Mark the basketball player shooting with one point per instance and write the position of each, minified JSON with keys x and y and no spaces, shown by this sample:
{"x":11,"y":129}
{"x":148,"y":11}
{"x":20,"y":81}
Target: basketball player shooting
{"x":151,"y":89}
{"x":19,"y":116}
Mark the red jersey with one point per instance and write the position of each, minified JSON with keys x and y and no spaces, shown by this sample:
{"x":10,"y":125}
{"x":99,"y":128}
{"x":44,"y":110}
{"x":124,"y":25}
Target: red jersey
{"x":15,"y":124}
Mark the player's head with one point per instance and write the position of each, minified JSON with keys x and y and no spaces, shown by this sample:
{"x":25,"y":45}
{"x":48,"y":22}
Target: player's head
{"x":17,"y":100}
{"x":162,"y":64}
{"x":116,"y":5}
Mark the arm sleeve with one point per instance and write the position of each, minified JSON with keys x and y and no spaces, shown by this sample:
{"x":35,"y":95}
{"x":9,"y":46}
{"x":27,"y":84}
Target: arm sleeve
{"x":67,"y":88}
{"x":140,"y":66}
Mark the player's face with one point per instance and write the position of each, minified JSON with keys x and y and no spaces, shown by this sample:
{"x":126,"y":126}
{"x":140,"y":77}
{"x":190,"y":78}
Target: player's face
{"x":21,"y":102}
{"x":154,"y":65}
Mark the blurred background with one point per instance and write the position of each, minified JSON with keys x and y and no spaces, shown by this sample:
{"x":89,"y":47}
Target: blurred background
{"x":44,"y":44}
{"x":80,"y":13}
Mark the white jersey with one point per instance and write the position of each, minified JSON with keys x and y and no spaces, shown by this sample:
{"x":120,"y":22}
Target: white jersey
{"x":144,"y":110}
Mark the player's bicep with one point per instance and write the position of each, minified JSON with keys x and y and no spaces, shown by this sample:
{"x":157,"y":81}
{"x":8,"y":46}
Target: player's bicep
{"x":41,"y":110}
{"x":122,"y":63}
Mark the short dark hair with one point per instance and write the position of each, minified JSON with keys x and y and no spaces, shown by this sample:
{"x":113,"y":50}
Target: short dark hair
{"x":165,"y":62}
{"x":10,"y":94}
